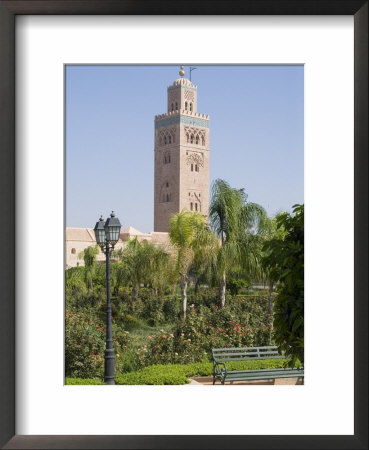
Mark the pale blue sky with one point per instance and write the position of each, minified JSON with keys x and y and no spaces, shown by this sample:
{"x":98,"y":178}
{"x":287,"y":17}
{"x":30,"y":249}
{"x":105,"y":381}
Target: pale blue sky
{"x":256,"y":136}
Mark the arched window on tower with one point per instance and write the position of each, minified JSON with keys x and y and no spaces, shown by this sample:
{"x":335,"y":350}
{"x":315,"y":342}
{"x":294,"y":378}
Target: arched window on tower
{"x":195,"y":206}
{"x":197,"y":139}
{"x":202,"y":140}
{"x":176,"y":106}
{"x":191,"y":107}
{"x":170,"y":139}
{"x":165,"y":140}
{"x":191,"y":138}
{"x":172,"y":107}
{"x":191,"y":167}
{"x":191,"y":206}
{"x":188,"y":137}
{"x":186,"y":105}
{"x":196,"y":168}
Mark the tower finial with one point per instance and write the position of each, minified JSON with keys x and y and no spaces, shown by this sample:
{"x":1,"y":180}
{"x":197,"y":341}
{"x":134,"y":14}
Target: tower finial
{"x":181,"y":72}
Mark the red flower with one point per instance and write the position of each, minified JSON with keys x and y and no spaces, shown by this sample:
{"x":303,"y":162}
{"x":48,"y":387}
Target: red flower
{"x":92,"y":354}
{"x":103,"y":328}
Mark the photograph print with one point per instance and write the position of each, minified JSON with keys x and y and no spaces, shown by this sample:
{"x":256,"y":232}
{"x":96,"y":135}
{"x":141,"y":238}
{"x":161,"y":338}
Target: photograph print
{"x":184,"y":238}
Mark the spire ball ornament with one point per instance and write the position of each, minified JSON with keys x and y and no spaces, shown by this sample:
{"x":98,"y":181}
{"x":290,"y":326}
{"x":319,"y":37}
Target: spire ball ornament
{"x":181,"y":72}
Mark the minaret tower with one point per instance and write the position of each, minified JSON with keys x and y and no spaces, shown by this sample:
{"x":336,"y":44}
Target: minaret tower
{"x":181,"y":155}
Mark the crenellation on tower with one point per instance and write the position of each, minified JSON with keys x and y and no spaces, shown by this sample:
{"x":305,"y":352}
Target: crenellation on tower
{"x":182,"y":143}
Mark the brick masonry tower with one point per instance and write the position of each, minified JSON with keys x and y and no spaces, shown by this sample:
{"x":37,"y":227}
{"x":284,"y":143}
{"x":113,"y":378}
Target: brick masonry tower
{"x":181,"y":156}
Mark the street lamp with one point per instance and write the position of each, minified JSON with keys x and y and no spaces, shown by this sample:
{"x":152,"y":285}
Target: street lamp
{"x":107,"y":235}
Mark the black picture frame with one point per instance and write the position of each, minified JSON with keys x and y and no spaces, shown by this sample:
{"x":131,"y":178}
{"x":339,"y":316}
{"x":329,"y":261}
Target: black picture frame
{"x":8,"y":12}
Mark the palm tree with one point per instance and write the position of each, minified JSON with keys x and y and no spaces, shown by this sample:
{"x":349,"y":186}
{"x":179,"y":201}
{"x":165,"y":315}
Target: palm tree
{"x":89,"y":255}
{"x":189,"y":236}
{"x":235,"y":222}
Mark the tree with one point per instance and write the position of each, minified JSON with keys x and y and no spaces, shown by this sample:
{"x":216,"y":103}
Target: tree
{"x":141,"y":263}
{"x":189,"y":236}
{"x":269,"y":230}
{"x":89,"y":255}
{"x":235,"y":222}
{"x":284,"y":258}
{"x":74,"y":281}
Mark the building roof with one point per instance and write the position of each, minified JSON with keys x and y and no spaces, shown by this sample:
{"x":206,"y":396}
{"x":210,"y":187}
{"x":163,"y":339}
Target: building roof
{"x":80,"y":234}
{"x":131,"y":231}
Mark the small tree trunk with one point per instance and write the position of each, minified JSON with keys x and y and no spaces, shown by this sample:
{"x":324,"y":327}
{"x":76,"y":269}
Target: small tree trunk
{"x":184,"y":295}
{"x":222,"y":291}
{"x":270,"y":298}
{"x":135,"y":292}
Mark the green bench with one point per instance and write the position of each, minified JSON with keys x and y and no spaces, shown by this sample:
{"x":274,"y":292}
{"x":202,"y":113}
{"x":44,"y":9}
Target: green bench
{"x":223,"y":355}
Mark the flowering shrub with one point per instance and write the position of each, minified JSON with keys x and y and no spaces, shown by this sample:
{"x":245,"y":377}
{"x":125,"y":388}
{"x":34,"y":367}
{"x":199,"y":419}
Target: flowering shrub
{"x":85,"y":345}
{"x":243,"y":323}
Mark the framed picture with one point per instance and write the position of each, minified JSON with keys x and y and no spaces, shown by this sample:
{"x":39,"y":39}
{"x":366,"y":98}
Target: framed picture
{"x":41,"y":386}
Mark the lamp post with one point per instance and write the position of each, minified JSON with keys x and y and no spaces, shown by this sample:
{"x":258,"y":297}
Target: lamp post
{"x":107,"y":235}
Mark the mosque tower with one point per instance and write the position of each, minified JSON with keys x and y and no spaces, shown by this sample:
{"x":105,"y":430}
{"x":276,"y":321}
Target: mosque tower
{"x":181,"y":156}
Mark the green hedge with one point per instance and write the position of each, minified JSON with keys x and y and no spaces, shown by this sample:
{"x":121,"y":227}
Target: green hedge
{"x":161,"y":374}
{"x":82,"y":381}
{"x":173,"y":374}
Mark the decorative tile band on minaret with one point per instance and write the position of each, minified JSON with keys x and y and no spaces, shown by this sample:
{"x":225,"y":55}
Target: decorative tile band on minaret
{"x":181,"y":155}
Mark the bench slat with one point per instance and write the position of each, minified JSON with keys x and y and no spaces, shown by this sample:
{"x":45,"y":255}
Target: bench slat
{"x":251,"y":355}
{"x":238,"y":354}
{"x":263,"y":377}
{"x":264,"y":371}
{"x":247,"y":348}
